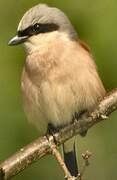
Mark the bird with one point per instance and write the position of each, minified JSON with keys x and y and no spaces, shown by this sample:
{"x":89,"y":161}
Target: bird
{"x":59,"y":80}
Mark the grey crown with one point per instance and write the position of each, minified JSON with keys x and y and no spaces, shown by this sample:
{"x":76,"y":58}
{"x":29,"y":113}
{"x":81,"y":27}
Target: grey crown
{"x":43,"y":14}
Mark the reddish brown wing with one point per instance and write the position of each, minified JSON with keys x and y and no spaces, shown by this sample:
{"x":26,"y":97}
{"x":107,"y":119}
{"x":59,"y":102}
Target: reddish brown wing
{"x":85,"y":46}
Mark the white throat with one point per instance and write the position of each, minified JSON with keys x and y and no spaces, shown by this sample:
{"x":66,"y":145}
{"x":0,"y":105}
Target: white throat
{"x":43,"y":42}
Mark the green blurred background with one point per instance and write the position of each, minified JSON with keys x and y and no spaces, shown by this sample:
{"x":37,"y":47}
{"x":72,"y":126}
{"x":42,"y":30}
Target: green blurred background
{"x":96,"y":23}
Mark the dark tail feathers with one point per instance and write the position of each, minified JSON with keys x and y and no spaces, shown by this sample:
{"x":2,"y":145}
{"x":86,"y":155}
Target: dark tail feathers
{"x":71,"y":162}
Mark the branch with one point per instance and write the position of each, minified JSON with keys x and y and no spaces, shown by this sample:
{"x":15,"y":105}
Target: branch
{"x":41,"y":146}
{"x":61,"y":162}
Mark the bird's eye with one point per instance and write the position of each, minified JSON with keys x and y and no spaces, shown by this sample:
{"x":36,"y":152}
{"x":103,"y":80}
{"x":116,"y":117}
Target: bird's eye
{"x":36,"y":27}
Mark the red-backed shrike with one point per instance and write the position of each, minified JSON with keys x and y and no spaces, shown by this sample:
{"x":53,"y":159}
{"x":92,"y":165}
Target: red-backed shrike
{"x":59,"y":79}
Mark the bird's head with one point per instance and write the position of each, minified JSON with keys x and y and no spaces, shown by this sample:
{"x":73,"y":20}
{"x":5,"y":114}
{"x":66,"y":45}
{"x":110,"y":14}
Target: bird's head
{"x":42,"y":21}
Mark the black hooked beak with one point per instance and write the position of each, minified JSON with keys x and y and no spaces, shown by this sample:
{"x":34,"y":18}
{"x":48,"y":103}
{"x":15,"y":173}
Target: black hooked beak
{"x":17,"y":40}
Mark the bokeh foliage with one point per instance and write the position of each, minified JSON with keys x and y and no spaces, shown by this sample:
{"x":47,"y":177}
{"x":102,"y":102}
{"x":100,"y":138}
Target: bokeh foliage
{"x":96,"y":23}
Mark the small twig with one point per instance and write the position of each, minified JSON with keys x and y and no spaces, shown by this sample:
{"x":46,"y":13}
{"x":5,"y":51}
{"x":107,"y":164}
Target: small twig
{"x":86,"y":156}
{"x":58,"y":157}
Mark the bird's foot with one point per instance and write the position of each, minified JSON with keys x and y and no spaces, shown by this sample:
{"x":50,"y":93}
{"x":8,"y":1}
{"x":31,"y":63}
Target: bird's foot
{"x":52,"y":129}
{"x":80,"y":115}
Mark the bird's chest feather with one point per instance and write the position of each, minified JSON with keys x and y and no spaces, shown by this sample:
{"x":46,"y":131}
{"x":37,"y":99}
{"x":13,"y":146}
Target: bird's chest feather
{"x":55,"y":87}
{"x":46,"y":96}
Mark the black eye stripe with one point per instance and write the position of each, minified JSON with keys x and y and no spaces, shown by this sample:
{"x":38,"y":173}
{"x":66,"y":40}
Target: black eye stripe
{"x":38,"y":28}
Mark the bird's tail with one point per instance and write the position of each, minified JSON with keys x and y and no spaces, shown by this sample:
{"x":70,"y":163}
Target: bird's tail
{"x":70,"y":158}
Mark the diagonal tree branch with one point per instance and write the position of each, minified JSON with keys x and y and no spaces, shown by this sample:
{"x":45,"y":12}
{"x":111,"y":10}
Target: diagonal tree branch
{"x":41,"y":146}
